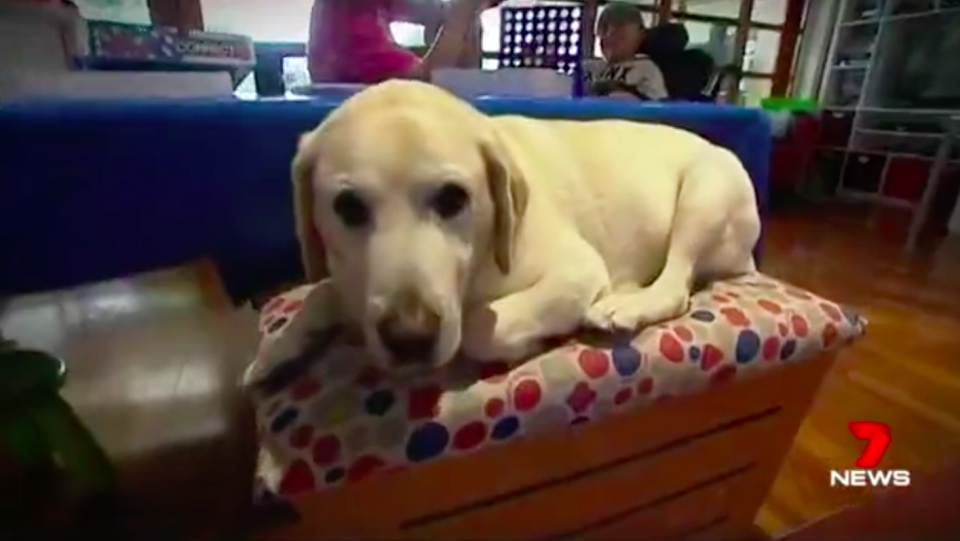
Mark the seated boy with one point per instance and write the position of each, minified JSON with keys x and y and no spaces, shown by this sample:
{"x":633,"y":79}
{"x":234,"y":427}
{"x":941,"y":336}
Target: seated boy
{"x":623,"y":71}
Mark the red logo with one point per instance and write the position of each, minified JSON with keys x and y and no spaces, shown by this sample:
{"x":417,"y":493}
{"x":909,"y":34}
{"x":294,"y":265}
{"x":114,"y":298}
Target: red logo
{"x":878,"y":440}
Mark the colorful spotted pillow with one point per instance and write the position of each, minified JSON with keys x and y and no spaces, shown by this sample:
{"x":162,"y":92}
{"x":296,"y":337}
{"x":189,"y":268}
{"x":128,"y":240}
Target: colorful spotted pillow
{"x":341,"y":419}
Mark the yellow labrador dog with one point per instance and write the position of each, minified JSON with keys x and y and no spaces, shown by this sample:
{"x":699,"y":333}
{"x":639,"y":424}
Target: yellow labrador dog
{"x":444,"y":229}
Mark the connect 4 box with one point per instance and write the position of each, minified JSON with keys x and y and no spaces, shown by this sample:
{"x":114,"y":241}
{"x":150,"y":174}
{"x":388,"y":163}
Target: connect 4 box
{"x":541,"y":36}
{"x":117,"y":46}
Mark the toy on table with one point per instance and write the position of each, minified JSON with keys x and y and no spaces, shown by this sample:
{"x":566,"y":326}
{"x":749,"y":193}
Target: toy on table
{"x":129,"y":47}
{"x":543,"y":37}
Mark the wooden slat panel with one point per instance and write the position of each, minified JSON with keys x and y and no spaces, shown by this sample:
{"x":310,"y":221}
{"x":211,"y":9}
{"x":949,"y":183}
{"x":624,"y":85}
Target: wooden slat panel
{"x":572,"y":477}
{"x":717,"y":530}
{"x":575,"y":505}
{"x":692,"y":512}
{"x":447,"y":485}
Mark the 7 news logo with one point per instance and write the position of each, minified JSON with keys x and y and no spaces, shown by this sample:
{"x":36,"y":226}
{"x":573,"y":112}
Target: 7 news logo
{"x":878,"y":438}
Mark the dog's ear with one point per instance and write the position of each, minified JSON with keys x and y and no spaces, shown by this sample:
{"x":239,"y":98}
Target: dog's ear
{"x":508,"y":191}
{"x":312,"y":253}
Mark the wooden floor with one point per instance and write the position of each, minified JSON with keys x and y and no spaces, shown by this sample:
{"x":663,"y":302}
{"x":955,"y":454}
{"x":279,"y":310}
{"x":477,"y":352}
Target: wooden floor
{"x":155,"y":364}
{"x":904,"y":372}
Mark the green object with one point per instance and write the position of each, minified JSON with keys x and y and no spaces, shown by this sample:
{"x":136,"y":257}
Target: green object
{"x":790,"y":105}
{"x":40,"y":429}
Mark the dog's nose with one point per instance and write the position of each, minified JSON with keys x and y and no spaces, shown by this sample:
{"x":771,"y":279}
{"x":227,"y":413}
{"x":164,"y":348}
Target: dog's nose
{"x":410,"y":334}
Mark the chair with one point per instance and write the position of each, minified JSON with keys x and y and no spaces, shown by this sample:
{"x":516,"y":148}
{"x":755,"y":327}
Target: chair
{"x":718,"y":82}
{"x":686,"y":72}
{"x":690,"y":74}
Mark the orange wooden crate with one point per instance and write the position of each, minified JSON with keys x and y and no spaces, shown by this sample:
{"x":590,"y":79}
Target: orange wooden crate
{"x":697,"y":466}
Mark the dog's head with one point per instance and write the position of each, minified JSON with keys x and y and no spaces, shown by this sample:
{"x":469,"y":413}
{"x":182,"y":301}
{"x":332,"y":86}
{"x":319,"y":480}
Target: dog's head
{"x":401,"y":196}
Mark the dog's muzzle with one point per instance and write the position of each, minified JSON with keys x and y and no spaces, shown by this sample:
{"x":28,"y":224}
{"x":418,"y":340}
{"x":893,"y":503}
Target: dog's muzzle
{"x":409,"y":333}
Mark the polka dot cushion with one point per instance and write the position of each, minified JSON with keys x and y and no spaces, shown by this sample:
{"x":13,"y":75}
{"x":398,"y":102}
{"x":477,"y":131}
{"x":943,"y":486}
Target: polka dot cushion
{"x":339,"y":419}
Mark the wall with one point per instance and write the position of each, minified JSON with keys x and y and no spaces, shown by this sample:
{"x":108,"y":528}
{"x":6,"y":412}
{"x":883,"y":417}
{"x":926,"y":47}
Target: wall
{"x":122,"y":11}
{"x":262,"y":20}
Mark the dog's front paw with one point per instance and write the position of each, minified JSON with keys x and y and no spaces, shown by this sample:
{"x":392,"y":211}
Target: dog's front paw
{"x":276,"y":351}
{"x":492,"y":336}
{"x":318,"y":317}
{"x":629,"y":311}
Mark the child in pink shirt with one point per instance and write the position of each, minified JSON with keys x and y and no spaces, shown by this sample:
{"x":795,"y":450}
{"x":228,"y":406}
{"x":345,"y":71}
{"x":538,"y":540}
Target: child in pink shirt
{"x":350,"y":41}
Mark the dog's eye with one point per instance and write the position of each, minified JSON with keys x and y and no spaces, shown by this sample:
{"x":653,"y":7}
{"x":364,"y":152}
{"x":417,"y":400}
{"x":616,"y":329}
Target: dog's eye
{"x":450,"y":200}
{"x":353,"y":212}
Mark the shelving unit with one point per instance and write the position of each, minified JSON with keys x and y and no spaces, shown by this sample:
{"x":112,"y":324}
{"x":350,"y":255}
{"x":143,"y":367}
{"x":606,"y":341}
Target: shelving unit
{"x":881,"y":133}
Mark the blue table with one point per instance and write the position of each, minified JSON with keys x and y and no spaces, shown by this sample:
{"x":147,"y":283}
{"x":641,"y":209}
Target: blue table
{"x":92,"y":191}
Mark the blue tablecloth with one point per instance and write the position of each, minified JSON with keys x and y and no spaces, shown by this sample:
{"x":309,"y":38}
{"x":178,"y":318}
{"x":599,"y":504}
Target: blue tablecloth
{"x":92,"y":191}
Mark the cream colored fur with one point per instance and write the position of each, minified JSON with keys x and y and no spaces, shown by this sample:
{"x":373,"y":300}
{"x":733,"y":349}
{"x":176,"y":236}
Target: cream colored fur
{"x":605,"y":224}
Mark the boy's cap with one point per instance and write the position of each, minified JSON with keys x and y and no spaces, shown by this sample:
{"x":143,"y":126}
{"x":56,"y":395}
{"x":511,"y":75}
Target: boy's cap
{"x":619,"y":14}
